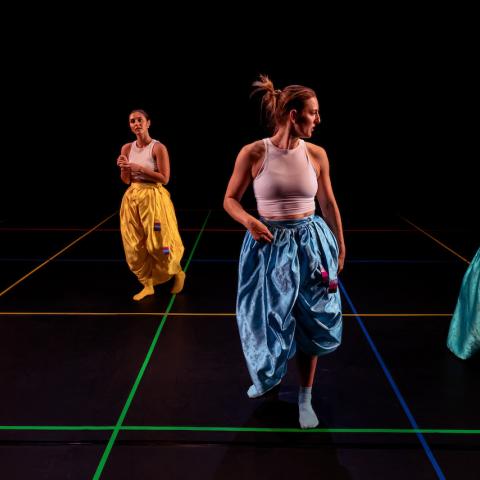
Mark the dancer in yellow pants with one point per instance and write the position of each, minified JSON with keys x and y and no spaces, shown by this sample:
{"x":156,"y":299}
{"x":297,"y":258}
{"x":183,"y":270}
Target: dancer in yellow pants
{"x":152,"y":243}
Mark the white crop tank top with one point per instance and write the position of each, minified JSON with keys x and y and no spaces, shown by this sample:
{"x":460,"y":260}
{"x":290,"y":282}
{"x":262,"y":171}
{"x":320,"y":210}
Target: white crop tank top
{"x":144,"y":157}
{"x":286,"y":183}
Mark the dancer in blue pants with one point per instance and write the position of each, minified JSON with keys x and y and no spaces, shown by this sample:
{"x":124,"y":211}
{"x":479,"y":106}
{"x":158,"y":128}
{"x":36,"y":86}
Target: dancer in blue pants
{"x":287,"y":301}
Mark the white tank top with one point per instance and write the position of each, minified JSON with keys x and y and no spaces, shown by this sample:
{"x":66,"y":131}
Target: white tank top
{"x":144,"y":157}
{"x":287,"y":182}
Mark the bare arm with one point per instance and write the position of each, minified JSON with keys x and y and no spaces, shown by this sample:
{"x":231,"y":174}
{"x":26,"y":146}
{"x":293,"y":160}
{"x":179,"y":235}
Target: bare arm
{"x":122,"y":162}
{"x":326,"y":199}
{"x":241,"y":178}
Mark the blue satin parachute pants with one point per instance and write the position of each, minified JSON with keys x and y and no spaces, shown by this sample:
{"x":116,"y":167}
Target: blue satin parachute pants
{"x":283,"y":297}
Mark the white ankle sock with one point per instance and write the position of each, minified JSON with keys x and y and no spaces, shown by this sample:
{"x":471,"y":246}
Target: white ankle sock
{"x":307,"y":417}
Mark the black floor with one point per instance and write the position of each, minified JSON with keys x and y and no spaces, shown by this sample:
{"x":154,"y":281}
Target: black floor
{"x":95,"y":385}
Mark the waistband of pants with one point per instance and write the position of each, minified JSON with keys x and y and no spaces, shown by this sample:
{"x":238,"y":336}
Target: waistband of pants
{"x":291,"y":223}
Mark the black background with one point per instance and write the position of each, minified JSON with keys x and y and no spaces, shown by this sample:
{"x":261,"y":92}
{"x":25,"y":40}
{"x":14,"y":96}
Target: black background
{"x":398,"y":101}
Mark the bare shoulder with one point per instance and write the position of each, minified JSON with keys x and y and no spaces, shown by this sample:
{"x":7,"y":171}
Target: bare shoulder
{"x":126,"y":149}
{"x":251,"y":157}
{"x":159,"y":147}
{"x":316,"y":151}
{"x":254,"y":151}
{"x":318,"y":156}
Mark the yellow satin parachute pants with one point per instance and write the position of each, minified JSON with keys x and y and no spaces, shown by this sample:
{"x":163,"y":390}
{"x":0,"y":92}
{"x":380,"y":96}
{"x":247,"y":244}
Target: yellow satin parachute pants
{"x":152,"y":243}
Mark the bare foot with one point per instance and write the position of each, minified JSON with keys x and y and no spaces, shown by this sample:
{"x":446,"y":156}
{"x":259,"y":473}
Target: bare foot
{"x":178,"y":283}
{"x":148,"y":290}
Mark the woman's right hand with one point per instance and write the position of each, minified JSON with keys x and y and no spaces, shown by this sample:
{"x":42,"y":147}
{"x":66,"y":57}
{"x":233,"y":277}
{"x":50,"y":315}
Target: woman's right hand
{"x":259,"y":231}
{"x":122,"y":161}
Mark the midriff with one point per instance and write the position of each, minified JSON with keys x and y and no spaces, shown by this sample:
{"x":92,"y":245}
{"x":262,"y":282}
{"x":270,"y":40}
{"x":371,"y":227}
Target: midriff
{"x":291,"y":217}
